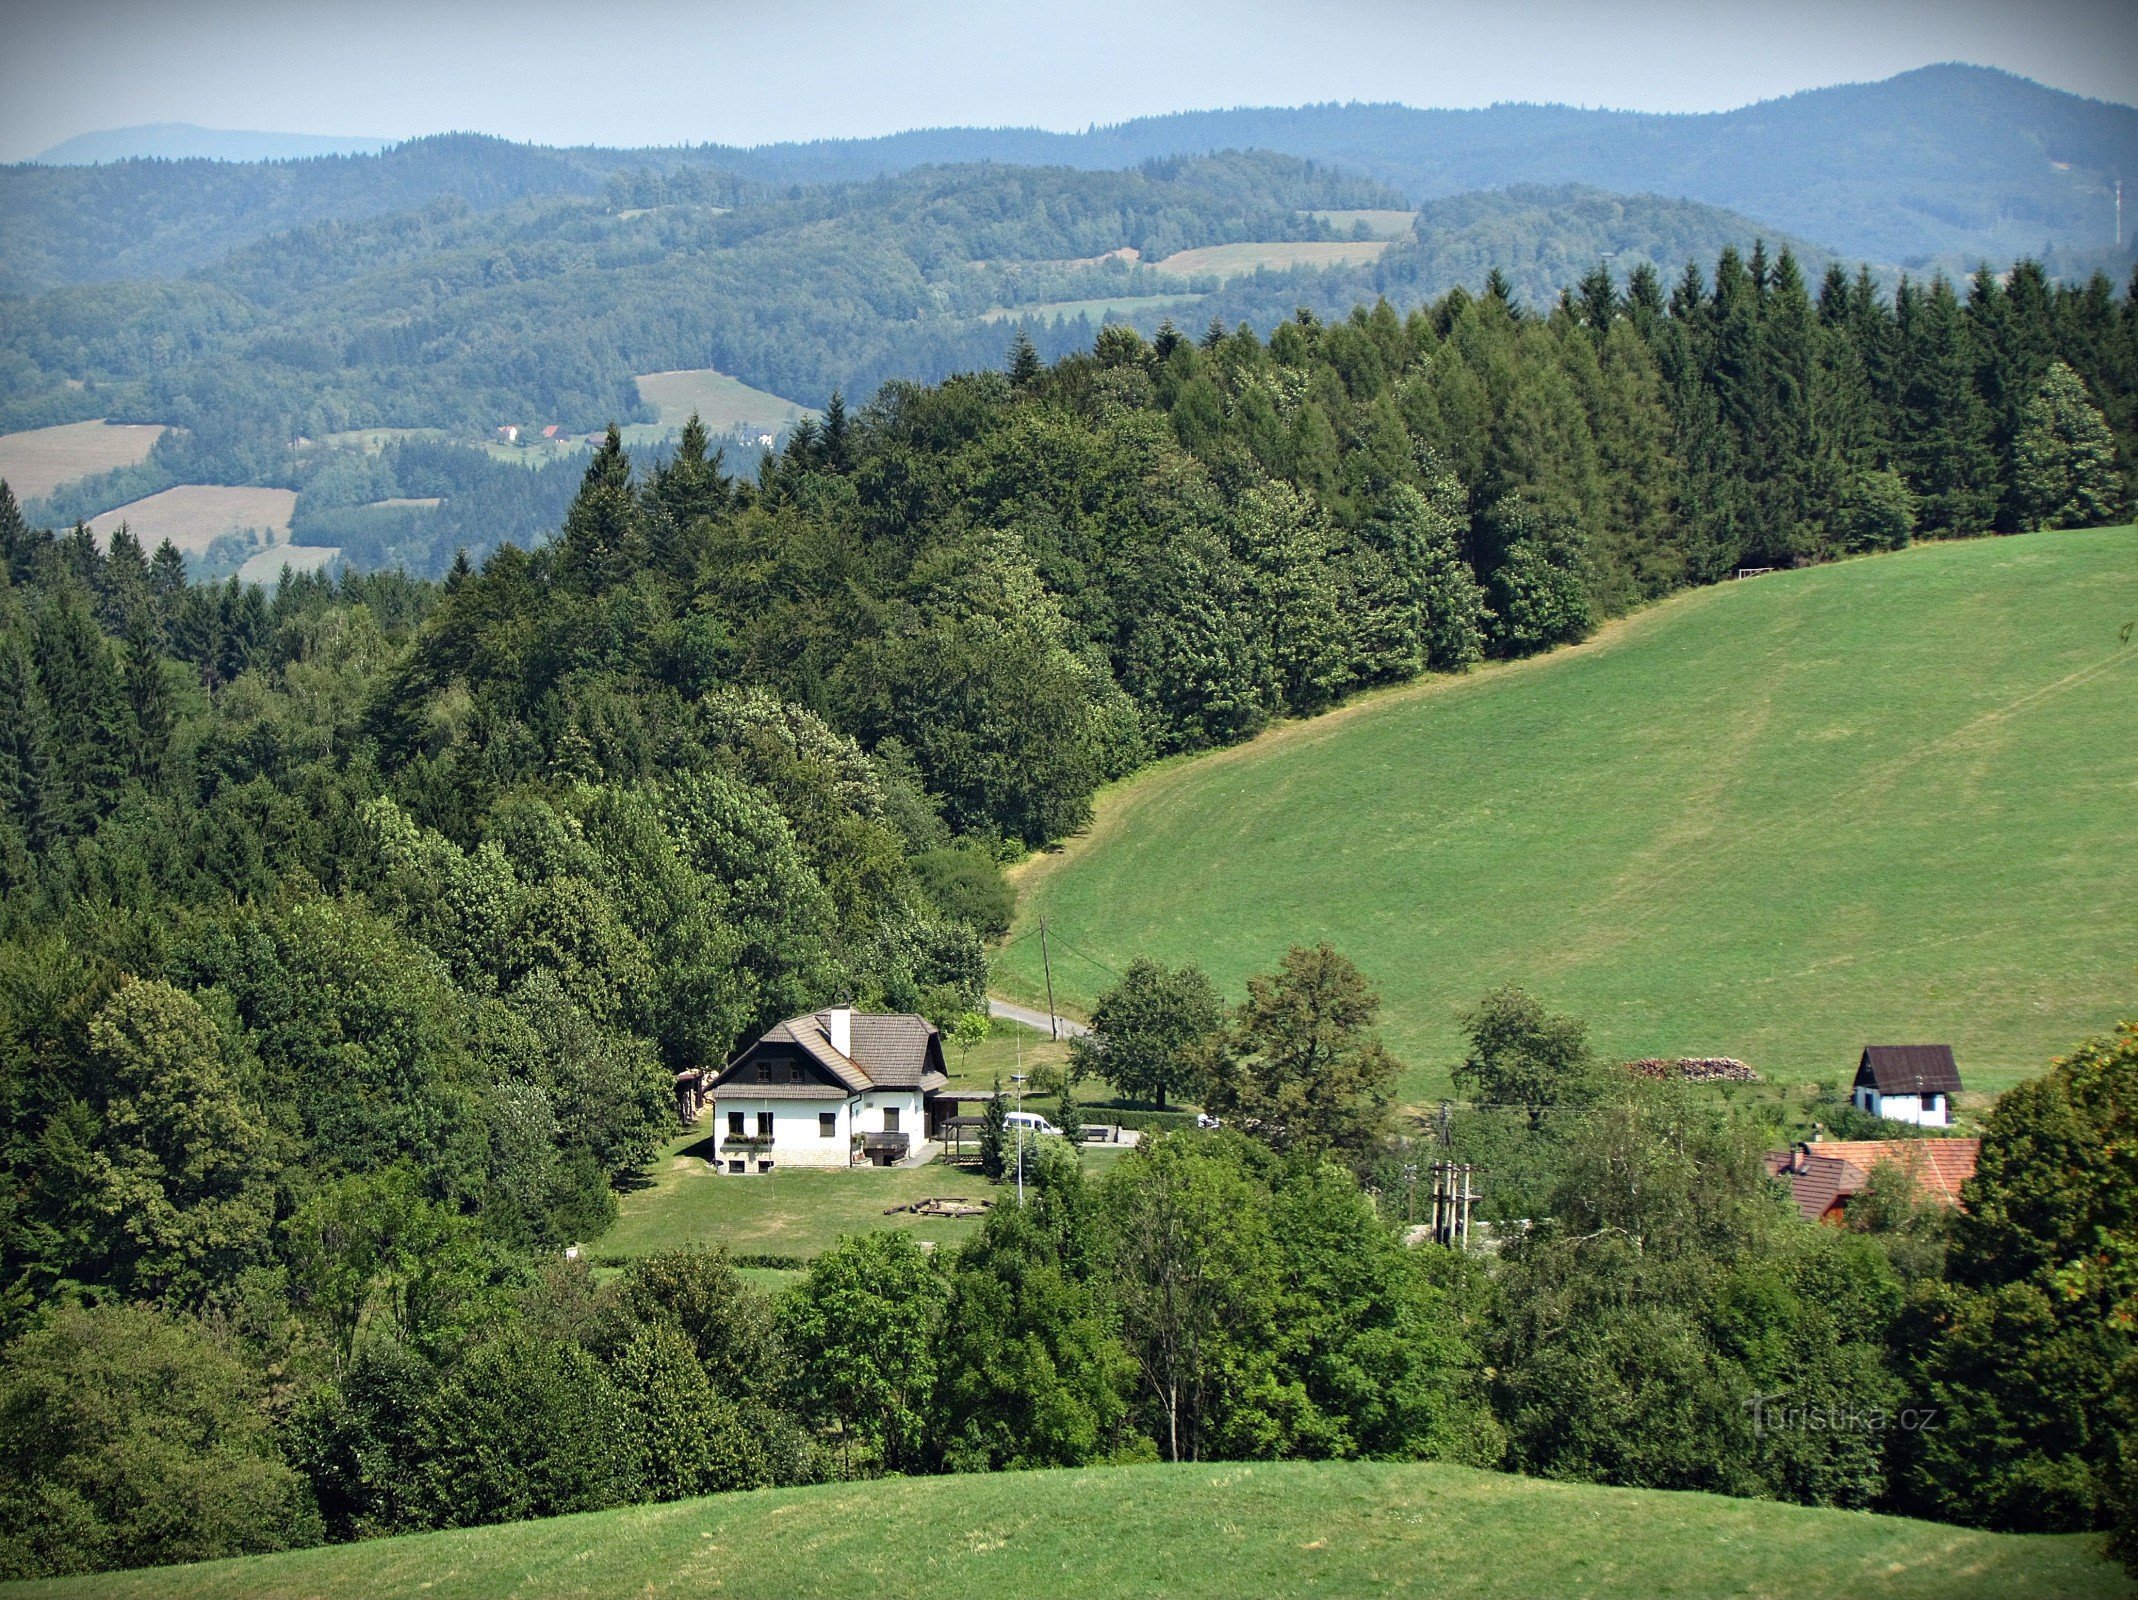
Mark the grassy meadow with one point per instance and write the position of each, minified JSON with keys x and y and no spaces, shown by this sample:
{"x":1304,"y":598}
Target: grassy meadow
{"x":721,"y":402}
{"x":265,"y":566}
{"x":1892,"y":799}
{"x":194,"y":515}
{"x":1380,"y":224}
{"x":1097,"y":310}
{"x":1271,"y":1531}
{"x":791,"y":1211}
{"x":37,"y":461}
{"x":1241,"y":260}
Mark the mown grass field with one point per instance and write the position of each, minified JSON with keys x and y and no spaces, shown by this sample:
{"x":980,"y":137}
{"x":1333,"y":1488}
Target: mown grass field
{"x":1239,"y":260}
{"x":1380,"y":224}
{"x":194,"y":515}
{"x":1893,"y":800}
{"x":789,"y":1212}
{"x":721,"y":402}
{"x":1096,"y":310}
{"x":265,"y":566}
{"x":1216,"y":1531}
{"x":35,"y":462}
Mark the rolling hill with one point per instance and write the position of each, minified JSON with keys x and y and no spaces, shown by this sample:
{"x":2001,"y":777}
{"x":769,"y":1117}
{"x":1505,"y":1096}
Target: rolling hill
{"x":1949,"y":164}
{"x":1217,"y":1530}
{"x":1890,"y":799}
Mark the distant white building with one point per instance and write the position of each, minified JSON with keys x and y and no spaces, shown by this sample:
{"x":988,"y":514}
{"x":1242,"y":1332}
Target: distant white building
{"x":1908,"y":1083}
{"x":834,"y":1088}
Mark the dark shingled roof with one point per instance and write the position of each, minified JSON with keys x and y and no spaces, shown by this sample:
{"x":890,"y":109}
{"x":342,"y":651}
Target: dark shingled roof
{"x":1909,"y":1069}
{"x":895,"y":1050}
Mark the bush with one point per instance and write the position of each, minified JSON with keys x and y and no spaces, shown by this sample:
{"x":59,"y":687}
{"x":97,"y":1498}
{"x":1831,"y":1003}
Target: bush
{"x":965,"y":881}
{"x":127,"y":1440}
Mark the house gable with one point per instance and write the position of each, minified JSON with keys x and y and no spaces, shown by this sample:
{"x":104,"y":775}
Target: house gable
{"x":1908,"y":1069}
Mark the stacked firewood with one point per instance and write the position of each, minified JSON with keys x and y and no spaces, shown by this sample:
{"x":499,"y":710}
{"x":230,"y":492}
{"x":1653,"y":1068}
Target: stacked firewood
{"x":1694,"y":1069}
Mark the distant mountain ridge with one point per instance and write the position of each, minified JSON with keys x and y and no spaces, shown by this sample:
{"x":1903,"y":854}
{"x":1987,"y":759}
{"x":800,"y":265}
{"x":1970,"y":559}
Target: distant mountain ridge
{"x":1945,"y":166}
{"x":1954,"y":162}
{"x":186,"y":141}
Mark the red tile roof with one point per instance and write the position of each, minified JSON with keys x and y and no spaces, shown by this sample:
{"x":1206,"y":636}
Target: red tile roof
{"x":1823,"y":1176}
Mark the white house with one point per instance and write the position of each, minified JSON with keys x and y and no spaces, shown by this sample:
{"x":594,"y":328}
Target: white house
{"x":1908,"y":1083}
{"x":831,"y":1089}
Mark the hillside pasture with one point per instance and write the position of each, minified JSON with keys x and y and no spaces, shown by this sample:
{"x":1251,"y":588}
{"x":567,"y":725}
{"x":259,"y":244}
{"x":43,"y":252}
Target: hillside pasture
{"x":1379,"y":224}
{"x":265,"y":566}
{"x":1208,"y":1531}
{"x":1097,"y":310}
{"x":721,"y":402}
{"x":1227,"y":261}
{"x":194,"y":515}
{"x":37,"y":461}
{"x":1892,"y":800}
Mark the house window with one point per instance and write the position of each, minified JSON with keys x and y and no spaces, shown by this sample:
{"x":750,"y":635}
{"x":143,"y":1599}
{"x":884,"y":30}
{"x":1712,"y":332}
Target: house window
{"x":794,"y":1072}
{"x":734,"y":1124}
{"x":764,"y":1165}
{"x":738,"y":1166}
{"x":1930,"y":1102}
{"x":827,"y":1124}
{"x":764,"y":1124}
{"x":764,"y":1072}
{"x":890,"y":1119}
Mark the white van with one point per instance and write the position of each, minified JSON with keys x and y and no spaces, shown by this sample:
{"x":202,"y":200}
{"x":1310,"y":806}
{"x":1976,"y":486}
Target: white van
{"x":1031,"y":1122}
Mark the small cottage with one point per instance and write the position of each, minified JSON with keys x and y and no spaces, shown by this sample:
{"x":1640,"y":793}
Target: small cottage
{"x":833,"y":1088}
{"x":1908,"y":1083}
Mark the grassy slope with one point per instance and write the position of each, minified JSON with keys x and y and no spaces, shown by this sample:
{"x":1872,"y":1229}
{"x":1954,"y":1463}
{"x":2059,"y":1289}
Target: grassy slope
{"x":1219,"y":1531}
{"x":1891,"y":799}
{"x":788,"y":1212}
{"x":1240,"y":260}
{"x":721,"y":402}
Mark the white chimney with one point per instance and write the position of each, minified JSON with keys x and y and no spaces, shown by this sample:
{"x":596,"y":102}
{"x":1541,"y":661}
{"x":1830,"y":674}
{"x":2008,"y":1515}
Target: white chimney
{"x":839,"y":1023}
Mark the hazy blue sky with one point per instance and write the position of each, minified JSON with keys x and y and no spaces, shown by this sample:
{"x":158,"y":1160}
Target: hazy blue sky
{"x":657,"y":72}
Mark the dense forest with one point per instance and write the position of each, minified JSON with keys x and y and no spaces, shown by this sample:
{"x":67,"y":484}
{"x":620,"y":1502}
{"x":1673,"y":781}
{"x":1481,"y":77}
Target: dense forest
{"x":353,"y":931}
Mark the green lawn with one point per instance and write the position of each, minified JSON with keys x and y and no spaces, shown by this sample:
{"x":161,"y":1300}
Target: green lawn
{"x":788,"y":1212}
{"x":1893,"y":799}
{"x":1222,"y":1531}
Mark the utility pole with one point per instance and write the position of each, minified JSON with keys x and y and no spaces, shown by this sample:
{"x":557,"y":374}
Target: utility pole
{"x":1046,"y":965}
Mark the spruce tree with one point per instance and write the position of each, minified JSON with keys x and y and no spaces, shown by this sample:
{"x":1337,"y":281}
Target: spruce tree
{"x":92,"y":729}
{"x":2064,"y":458}
{"x":148,"y":695}
{"x":604,"y":539}
{"x":1945,"y":430}
{"x":1025,"y":367}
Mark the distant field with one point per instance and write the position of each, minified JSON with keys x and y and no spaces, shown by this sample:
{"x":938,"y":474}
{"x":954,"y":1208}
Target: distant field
{"x":1239,"y":260}
{"x":721,"y":402}
{"x":790,"y":1212}
{"x":1887,"y":800}
{"x":194,"y":515}
{"x":1380,"y":224}
{"x":1213,"y":1531}
{"x":265,"y":566}
{"x":1096,"y":310}
{"x":430,"y":500}
{"x":377,"y":439}
{"x":35,"y":463}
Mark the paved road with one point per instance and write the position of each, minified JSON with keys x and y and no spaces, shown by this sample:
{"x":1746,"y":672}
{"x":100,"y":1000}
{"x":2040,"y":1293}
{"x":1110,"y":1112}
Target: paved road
{"x":1034,"y":1019}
